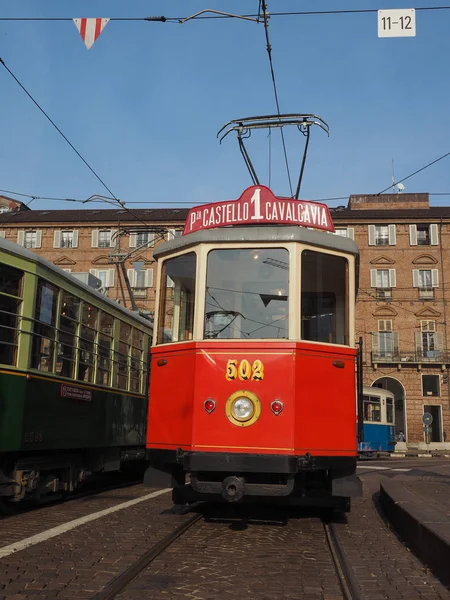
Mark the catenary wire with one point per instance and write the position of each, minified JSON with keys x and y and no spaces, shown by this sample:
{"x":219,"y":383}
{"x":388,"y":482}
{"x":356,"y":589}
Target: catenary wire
{"x":415,"y":173}
{"x":164,"y":19}
{"x":56,"y":127}
{"x":272,"y":73}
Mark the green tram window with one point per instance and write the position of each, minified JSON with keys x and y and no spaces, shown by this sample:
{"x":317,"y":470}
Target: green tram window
{"x":121,"y":357}
{"x":324,"y":298}
{"x":86,"y":343}
{"x":69,"y":319}
{"x":247,"y":294}
{"x":11,"y":281}
{"x":43,"y":348}
{"x":177,"y":299}
{"x":104,"y":347}
{"x":137,"y":366}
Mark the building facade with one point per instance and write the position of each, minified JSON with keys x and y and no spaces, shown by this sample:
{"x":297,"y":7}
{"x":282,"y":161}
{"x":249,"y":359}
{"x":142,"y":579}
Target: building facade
{"x":403,"y":284}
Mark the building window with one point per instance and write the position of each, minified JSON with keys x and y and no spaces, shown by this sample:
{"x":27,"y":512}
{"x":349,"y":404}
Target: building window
{"x":428,"y":342}
{"x":106,"y":276}
{"x":382,"y":235}
{"x":30,"y":239}
{"x":385,"y":342}
{"x":66,"y":239}
{"x":174,"y":233}
{"x":142,"y":238}
{"x":103,"y":238}
{"x":423,"y":235}
{"x":430,"y":385}
{"x":383,"y":280}
{"x":426,"y":280}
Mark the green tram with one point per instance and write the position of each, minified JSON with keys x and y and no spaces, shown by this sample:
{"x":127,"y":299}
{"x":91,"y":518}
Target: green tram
{"x":73,"y":367}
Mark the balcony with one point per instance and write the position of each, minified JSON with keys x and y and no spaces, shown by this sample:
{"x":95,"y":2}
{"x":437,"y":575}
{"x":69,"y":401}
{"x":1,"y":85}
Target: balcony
{"x":404,"y":358}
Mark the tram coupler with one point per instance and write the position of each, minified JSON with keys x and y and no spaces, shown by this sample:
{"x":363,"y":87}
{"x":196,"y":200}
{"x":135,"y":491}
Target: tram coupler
{"x":233,"y":488}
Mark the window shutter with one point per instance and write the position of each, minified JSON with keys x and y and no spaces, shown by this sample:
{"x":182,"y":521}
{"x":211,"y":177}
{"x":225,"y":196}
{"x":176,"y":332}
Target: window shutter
{"x":151,"y":240}
{"x":418,"y":338}
{"x":21,"y":238}
{"x":434,"y":234}
{"x":415,"y":278}
{"x":434,"y":278}
{"x":113,"y":238}
{"x":413,"y":235}
{"x":170,"y":234}
{"x":38,"y":238}
{"x":373,"y":278}
{"x":396,"y":342}
{"x":95,"y":238}
{"x":57,"y":239}
{"x":149,"y":278}
{"x":371,"y":235}
{"x":375,"y":342}
{"x":3,"y":234}
{"x":392,"y":235}
{"x":75,"y":239}
{"x":392,"y":278}
{"x":133,"y":240}
{"x":131,"y":274}
{"x":110,"y":278}
{"x":351,"y":233}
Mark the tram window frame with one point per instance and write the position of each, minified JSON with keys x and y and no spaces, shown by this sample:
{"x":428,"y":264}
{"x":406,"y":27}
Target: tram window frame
{"x":390,"y":410}
{"x":104,"y":348}
{"x":315,"y":302}
{"x":44,"y":326}
{"x":369,"y":401}
{"x":11,"y":297}
{"x":87,"y":342}
{"x":122,"y":356}
{"x":137,"y":367}
{"x":68,"y":332}
{"x":177,"y":301}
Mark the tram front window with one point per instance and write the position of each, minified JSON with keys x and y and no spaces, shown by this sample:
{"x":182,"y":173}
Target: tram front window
{"x":372,"y":409}
{"x":176,"y":303}
{"x":324,"y":304}
{"x":247,"y":294}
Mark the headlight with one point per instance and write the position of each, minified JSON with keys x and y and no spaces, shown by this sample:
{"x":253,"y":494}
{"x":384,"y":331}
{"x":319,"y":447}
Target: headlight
{"x":242,"y":409}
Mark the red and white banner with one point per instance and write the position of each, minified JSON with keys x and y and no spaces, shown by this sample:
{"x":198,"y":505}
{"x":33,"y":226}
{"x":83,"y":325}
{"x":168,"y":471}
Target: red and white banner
{"x":259,"y":205}
{"x":90,"y":29}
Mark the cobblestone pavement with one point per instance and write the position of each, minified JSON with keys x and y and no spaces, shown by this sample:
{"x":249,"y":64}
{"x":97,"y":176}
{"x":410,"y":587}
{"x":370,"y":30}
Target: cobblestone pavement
{"x":236,"y":560}
{"x":216,"y":558}
{"x":77,"y":564}
{"x":21,"y":525}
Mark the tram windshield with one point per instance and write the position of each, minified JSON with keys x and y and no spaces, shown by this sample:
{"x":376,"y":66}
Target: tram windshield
{"x":247,"y":294}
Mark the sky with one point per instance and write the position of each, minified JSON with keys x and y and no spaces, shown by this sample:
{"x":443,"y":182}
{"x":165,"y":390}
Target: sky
{"x":144,"y":104}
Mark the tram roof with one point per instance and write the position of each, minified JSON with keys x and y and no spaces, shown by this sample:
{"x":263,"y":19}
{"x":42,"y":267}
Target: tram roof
{"x":16,"y":250}
{"x":376,"y":391}
{"x":261,"y":234}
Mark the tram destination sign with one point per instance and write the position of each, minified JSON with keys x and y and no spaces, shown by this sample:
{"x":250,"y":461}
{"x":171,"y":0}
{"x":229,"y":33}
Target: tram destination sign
{"x":258,"y":205}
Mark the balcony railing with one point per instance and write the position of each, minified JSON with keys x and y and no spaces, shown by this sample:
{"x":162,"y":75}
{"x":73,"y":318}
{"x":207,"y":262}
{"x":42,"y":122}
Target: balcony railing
{"x":431,"y":356}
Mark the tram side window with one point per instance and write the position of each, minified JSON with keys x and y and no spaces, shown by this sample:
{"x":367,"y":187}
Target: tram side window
{"x":43,"y":348}
{"x":68,"y":324}
{"x":105,"y":344}
{"x":121,"y":357}
{"x":177,"y":299}
{"x":372,"y":409}
{"x":324,"y":300}
{"x":86,"y":343}
{"x":247,"y":294}
{"x":137,"y":366}
{"x":10,"y":305}
{"x":390,"y":410}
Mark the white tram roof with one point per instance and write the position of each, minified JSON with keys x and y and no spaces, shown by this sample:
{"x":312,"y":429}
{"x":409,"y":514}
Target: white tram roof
{"x":376,"y":391}
{"x":16,"y":250}
{"x":261,"y":234}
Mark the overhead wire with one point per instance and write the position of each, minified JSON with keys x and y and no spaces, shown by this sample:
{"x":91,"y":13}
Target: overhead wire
{"x":415,"y":173}
{"x":272,"y":73}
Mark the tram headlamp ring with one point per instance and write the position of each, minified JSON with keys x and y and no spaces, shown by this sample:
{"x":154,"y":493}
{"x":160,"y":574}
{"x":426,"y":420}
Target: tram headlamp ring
{"x":243,"y":408}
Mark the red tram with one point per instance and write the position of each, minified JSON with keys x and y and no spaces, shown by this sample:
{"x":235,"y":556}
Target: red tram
{"x":253,"y":382}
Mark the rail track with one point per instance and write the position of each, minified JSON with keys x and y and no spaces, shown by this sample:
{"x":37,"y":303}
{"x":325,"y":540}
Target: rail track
{"x":347,"y":581}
